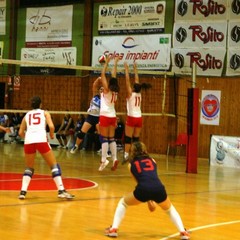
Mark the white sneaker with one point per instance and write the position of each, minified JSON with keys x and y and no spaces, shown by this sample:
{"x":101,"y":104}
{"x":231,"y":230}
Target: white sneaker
{"x":73,"y":150}
{"x":65,"y":194}
{"x":103,"y":165}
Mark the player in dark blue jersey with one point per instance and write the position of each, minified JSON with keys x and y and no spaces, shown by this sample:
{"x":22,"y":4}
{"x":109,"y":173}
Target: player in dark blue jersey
{"x":93,"y":114}
{"x":149,"y":189}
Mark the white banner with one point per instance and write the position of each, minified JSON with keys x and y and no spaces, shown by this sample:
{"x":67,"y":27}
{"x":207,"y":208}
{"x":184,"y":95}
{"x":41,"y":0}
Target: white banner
{"x":234,"y":33}
{"x":209,"y":62}
{"x":233,"y":62}
{"x":49,"y":26}
{"x":225,"y":151}
{"x":149,"y":51}
{"x":234,"y":9}
{"x":200,"y":10}
{"x":210,"y":107}
{"x":129,"y":18}
{"x":2,"y":17}
{"x":63,"y":56}
{"x":203,"y":34}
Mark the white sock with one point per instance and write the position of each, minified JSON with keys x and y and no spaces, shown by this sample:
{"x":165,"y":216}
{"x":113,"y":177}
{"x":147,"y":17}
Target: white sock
{"x":58,"y":182}
{"x":113,"y":149}
{"x":176,"y":219}
{"x":25,"y":182}
{"x":104,"y":151}
{"x":119,"y":213}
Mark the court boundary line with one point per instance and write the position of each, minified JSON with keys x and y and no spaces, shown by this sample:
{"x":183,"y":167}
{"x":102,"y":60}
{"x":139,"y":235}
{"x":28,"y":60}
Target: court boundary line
{"x":202,"y":227}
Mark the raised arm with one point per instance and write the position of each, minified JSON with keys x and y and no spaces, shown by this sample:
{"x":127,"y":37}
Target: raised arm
{"x":96,"y":85}
{"x":128,"y":84}
{"x":136,"y":72}
{"x":114,"y":69}
{"x":103,"y":74}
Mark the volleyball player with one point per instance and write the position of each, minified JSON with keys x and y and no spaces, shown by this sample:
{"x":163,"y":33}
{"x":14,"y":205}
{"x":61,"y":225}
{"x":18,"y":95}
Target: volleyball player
{"x":92,"y":119}
{"x":133,"y":125}
{"x":33,"y":130}
{"x":107,"y":119}
{"x":149,"y":188}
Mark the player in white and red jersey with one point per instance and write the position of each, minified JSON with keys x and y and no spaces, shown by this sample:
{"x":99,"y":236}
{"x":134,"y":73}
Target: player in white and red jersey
{"x":107,"y":119}
{"x":133,"y":123}
{"x":33,"y":130}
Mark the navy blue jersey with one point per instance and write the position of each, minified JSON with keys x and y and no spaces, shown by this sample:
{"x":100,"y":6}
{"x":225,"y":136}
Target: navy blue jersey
{"x":144,"y":170}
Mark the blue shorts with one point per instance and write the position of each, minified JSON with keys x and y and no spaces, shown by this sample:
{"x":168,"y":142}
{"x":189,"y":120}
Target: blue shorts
{"x":93,"y":120}
{"x":144,"y":195}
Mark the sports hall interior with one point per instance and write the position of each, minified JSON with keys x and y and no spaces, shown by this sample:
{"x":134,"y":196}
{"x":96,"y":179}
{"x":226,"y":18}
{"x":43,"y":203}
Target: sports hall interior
{"x":207,"y":200}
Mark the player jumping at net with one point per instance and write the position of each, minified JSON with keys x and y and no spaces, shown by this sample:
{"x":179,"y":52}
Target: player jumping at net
{"x":149,"y":189}
{"x":93,"y":114}
{"x":33,"y":130}
{"x":108,"y":119}
{"x":133,"y":125}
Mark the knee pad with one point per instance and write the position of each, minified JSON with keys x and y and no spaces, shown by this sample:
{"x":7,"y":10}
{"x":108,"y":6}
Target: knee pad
{"x":111,"y":140}
{"x":81,"y":134}
{"x":56,"y":170}
{"x":127,"y":140}
{"x":103,"y":139}
{"x":135,"y":139}
{"x":29,"y":172}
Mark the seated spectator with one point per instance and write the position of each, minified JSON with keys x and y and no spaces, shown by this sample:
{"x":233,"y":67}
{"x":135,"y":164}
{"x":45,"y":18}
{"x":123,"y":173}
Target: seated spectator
{"x":4,"y":122}
{"x":66,"y":129}
{"x":14,"y":125}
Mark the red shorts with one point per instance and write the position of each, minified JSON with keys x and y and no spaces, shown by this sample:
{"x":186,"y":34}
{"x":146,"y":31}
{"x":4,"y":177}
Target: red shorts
{"x":134,"y":121}
{"x":107,"y":121}
{"x":42,"y":147}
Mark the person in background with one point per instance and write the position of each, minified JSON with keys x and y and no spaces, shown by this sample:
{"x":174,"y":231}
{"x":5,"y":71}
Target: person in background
{"x":107,"y":119}
{"x":119,"y":133}
{"x":149,"y":189}
{"x":79,"y":123}
{"x":93,"y":114}
{"x":33,"y":130}
{"x":66,"y":129}
{"x":4,"y":122}
{"x":133,"y":125}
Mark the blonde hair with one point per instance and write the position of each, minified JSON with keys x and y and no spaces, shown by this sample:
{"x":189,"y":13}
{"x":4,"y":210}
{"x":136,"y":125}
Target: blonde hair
{"x":138,"y":149}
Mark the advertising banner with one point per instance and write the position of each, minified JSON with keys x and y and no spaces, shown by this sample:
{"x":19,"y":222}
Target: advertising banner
{"x":207,"y":34}
{"x":47,"y":27}
{"x":210,"y":107}
{"x":2,"y":17}
{"x":132,"y":18}
{"x":149,"y":51}
{"x":225,"y":151}
{"x":209,"y":61}
{"x":233,"y":62}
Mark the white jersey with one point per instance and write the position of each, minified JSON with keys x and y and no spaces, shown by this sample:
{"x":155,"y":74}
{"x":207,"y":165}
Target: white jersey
{"x":134,"y":105}
{"x":36,"y":127}
{"x":108,"y":100}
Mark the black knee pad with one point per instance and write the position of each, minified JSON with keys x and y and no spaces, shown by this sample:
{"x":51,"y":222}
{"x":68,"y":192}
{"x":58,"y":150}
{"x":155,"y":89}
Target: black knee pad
{"x":135,"y":139}
{"x":127,"y":140}
{"x":81,"y":134}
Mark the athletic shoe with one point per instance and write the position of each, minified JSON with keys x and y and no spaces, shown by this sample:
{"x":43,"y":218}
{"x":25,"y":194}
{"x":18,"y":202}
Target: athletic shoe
{"x":111,"y":232}
{"x":22,"y":195}
{"x":103,"y":165}
{"x":73,"y":150}
{"x":65,"y":194}
{"x":59,"y":146}
{"x":184,"y":235}
{"x":115,"y":164}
